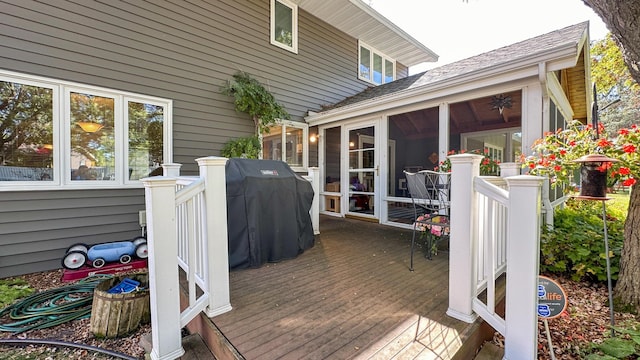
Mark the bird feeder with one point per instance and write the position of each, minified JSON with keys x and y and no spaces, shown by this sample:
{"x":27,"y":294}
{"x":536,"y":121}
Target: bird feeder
{"x":593,"y":176}
{"x":593,"y":186}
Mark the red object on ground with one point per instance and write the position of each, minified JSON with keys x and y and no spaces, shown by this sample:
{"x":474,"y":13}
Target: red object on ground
{"x":86,"y":271}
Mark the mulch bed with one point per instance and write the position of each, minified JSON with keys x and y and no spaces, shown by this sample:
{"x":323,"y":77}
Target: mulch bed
{"x":77,"y":331}
{"x":586,"y":321}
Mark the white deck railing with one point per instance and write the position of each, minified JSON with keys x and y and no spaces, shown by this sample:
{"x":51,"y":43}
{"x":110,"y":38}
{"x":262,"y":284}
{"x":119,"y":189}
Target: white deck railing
{"x":495,"y":229}
{"x":491,"y":254}
{"x":187,"y":229}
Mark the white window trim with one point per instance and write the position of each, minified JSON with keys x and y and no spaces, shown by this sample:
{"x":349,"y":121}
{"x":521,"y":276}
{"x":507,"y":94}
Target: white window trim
{"x":384,"y":57}
{"x":305,"y":143}
{"x":61,"y":128}
{"x":294,"y":25}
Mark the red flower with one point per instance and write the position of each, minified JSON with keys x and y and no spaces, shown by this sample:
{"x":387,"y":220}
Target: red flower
{"x":557,"y":168}
{"x":624,"y":170}
{"x":532,"y":165}
{"x":628,"y":148}
{"x":623,"y":132}
{"x":605,"y":166}
{"x":552,"y":156}
{"x":603,"y":142}
{"x":629,"y":182}
{"x":572,"y":143}
{"x":563,"y":152}
{"x":601,"y":128}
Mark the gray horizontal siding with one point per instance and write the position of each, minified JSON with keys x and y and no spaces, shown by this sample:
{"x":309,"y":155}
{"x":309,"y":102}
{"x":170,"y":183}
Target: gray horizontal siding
{"x":175,"y":49}
{"x":36,"y":227}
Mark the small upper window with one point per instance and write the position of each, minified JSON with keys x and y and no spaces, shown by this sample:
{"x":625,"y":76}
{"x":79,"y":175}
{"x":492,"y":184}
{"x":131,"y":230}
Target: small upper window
{"x":284,"y":25}
{"x":374,"y":66}
{"x":287,"y":142}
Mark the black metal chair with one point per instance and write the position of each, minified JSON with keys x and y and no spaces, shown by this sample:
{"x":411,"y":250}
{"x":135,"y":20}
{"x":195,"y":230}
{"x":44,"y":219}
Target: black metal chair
{"x":429,"y":192}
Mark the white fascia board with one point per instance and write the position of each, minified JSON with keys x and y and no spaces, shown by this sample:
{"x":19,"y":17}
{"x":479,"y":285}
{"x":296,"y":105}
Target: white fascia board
{"x":395,"y":28}
{"x":500,"y":73}
{"x":556,"y":92}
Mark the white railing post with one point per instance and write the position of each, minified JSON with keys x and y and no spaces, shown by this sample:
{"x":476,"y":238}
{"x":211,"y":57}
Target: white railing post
{"x":171,"y":169}
{"x":212,"y":170}
{"x":164,"y":291}
{"x":509,"y":169}
{"x":462,"y":241}
{"x":546,"y":203}
{"x":314,"y":174}
{"x":523,"y":256}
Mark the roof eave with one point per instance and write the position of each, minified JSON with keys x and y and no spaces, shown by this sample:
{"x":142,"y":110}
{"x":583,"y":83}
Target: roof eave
{"x":360,"y":21}
{"x":560,"y":57}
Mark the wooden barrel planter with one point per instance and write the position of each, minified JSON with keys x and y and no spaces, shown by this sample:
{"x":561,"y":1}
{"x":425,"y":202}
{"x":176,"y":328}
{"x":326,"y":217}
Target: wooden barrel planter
{"x":116,"y":315}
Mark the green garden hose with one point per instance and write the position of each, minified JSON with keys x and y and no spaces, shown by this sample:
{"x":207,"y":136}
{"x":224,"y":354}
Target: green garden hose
{"x":52,"y":307}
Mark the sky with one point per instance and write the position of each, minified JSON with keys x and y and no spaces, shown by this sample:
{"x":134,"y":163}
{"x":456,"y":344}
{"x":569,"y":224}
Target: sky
{"x":455,"y":29}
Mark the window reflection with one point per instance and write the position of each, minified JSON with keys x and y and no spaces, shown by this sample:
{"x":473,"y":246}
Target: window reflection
{"x":26,"y":132}
{"x":92,"y":137}
{"x":145,"y":139}
{"x":283,"y":32}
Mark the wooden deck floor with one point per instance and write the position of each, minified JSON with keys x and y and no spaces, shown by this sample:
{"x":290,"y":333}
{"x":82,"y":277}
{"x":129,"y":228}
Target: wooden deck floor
{"x":351,"y":296}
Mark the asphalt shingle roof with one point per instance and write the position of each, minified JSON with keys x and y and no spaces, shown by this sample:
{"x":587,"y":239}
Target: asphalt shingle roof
{"x":527,"y":48}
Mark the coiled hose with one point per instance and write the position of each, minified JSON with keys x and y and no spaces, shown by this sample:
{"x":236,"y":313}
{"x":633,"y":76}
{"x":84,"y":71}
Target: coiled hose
{"x":52,"y":307}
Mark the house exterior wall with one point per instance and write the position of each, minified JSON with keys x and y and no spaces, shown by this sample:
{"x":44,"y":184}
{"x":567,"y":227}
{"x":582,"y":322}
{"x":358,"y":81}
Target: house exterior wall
{"x":37,"y":226}
{"x":181,"y":51}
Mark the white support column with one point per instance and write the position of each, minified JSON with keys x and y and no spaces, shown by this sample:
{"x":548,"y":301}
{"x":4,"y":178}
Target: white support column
{"x":314,"y":174}
{"x":523,"y":257}
{"x":164,"y":288}
{"x":171,"y":170}
{"x":212,"y":170}
{"x":443,"y":132}
{"x":463,"y":238}
{"x":532,"y":117}
{"x":509,"y":169}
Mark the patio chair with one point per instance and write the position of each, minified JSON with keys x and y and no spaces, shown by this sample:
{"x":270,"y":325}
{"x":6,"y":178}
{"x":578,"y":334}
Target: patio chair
{"x":429,"y":192}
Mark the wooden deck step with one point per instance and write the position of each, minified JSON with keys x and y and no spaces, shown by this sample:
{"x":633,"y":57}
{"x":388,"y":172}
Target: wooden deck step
{"x":490,"y":351}
{"x":193,"y":345}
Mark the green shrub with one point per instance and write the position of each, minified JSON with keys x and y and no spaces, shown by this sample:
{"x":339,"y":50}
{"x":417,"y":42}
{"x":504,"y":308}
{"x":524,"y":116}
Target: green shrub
{"x":575,"y":246}
{"x":247,"y":147}
{"x":625,"y":346}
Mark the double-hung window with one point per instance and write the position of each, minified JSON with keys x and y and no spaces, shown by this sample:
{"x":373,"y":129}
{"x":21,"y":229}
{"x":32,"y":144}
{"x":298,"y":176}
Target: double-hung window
{"x":284,"y":25}
{"x":374,"y":66}
{"x":56,"y":134}
{"x":286,"y":142}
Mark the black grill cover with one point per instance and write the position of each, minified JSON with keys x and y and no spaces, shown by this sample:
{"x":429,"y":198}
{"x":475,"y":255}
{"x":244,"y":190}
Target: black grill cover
{"x":267,"y":212}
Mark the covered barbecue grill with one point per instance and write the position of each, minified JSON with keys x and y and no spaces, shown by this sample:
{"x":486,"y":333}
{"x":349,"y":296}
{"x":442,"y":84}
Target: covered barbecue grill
{"x":267,"y":212}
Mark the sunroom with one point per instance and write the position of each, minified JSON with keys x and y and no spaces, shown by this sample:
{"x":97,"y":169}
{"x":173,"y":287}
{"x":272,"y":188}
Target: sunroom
{"x":497,"y":104}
